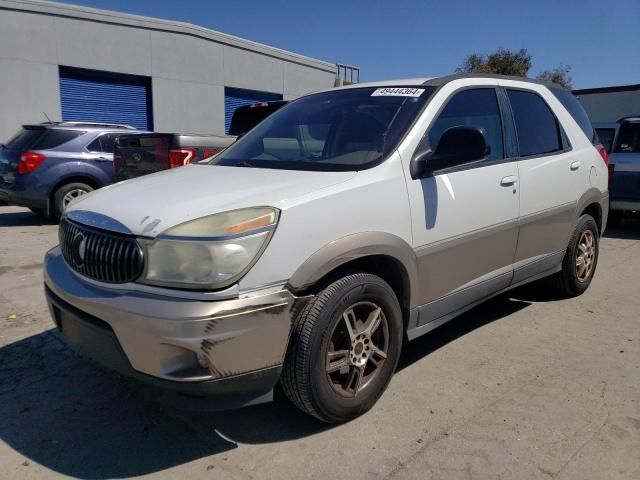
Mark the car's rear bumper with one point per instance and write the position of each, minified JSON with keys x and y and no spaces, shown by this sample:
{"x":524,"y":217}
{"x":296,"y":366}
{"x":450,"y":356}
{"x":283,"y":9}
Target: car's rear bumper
{"x":231,"y":349}
{"x":22,"y":194}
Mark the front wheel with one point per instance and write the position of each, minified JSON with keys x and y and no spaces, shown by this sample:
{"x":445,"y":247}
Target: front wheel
{"x":580,"y":260}
{"x":344,"y":348}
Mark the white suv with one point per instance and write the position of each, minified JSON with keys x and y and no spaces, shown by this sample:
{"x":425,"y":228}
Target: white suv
{"x":348,"y":221}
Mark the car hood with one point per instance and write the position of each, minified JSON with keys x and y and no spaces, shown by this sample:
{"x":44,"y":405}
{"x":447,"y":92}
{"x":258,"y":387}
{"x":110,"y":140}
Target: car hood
{"x":150,"y":205}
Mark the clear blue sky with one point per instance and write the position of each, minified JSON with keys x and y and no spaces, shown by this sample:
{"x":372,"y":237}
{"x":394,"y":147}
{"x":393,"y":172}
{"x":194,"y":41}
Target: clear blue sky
{"x":600,"y":39}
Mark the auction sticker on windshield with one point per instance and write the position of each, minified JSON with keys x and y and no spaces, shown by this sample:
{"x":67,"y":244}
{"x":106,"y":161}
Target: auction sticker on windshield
{"x":397,"y":92}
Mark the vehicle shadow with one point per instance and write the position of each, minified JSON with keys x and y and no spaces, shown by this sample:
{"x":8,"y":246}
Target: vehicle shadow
{"x":63,"y":412}
{"x":628,"y":229}
{"x":9,"y":217}
{"x":490,"y":311}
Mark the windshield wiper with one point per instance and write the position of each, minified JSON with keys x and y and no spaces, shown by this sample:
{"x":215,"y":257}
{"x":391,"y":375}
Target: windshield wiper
{"x":242,"y":164}
{"x":3,"y":146}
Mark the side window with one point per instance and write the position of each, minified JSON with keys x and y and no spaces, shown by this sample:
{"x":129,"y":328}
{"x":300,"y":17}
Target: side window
{"x":478,"y":108}
{"x":536,"y":126}
{"x":628,"y":138}
{"x":108,"y":140}
{"x":103,"y":143}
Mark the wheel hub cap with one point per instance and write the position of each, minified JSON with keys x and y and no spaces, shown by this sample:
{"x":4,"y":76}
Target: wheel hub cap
{"x":360,"y":350}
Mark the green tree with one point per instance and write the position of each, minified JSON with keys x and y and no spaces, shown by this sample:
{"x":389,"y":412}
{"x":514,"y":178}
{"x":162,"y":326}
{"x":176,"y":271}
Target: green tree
{"x":517,"y":63}
{"x":558,"y":75}
{"x":502,"y":61}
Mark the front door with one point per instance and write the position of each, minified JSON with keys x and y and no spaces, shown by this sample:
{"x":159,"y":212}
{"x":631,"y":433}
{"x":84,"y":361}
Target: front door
{"x":465,"y":222}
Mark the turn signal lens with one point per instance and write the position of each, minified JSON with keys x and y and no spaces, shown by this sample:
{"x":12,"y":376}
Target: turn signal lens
{"x":252,"y":224}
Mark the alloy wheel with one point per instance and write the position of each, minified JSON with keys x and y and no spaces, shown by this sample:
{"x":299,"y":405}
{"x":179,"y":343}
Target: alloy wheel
{"x":72,"y":195}
{"x":586,"y":254}
{"x":357,"y":349}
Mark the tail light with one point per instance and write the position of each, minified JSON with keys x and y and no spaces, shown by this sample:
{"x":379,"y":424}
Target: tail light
{"x":29,"y":161}
{"x":181,"y":156}
{"x":603,"y":153}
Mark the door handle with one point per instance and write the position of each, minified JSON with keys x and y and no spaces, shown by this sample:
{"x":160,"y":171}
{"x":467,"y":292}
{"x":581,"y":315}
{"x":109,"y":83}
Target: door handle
{"x":509,"y":180}
{"x":575,"y":165}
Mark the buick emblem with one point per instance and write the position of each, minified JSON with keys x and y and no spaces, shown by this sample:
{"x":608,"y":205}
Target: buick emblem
{"x":137,"y":157}
{"x":78,"y":249}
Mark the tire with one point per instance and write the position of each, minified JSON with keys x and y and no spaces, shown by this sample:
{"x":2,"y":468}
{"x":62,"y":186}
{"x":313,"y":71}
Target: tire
{"x":59,"y":201}
{"x":572,"y":280}
{"x":321,"y":330}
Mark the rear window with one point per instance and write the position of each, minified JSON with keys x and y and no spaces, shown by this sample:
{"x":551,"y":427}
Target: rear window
{"x":628,"y":138}
{"x":41,"y":138}
{"x":536,"y":126}
{"x":605,"y":135}
{"x":576,"y":110}
{"x":247,"y":117}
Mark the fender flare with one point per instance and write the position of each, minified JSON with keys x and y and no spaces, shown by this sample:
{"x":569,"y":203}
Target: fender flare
{"x":352,"y":247}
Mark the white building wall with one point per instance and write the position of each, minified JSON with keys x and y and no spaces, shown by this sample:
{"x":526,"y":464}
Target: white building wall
{"x":189,"y":65}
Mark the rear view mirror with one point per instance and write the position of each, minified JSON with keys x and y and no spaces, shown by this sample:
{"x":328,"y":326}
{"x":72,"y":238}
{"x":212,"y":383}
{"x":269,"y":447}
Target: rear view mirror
{"x":457,"y":146}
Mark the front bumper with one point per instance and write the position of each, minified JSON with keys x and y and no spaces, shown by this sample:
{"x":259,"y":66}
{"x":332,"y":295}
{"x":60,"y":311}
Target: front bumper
{"x":228,"y":348}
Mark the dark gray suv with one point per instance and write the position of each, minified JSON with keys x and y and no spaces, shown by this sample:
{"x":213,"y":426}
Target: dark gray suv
{"x":45,"y":166}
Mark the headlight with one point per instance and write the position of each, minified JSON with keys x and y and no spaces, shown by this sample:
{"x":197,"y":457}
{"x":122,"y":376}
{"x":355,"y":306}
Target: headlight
{"x":209,"y":252}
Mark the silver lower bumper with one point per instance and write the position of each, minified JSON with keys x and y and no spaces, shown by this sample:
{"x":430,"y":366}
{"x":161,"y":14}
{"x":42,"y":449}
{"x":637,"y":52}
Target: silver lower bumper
{"x":172,"y":338}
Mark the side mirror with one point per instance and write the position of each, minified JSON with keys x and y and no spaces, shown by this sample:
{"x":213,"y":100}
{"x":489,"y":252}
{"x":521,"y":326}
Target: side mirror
{"x":457,"y":146}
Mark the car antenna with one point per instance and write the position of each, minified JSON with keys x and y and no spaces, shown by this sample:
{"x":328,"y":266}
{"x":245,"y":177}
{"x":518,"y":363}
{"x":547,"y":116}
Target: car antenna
{"x":47,"y":117}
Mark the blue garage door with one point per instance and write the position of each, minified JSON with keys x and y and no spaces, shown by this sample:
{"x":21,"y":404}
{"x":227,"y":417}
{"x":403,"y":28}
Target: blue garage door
{"x":94,"y":96}
{"x":236,"y":97}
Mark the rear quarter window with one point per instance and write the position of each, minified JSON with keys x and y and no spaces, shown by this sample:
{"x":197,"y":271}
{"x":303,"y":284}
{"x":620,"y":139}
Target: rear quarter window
{"x":41,"y":138}
{"x":575,"y":108}
{"x":55,"y":138}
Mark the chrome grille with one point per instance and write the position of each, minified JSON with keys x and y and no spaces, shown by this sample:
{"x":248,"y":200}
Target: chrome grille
{"x":104,"y":256}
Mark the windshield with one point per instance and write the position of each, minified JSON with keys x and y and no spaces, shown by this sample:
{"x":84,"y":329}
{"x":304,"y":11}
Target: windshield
{"x":350,"y":129}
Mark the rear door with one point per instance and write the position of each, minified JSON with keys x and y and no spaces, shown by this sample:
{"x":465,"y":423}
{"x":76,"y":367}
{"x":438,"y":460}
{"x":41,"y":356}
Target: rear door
{"x":100,"y":151}
{"x":624,"y":189}
{"x":552,"y":177}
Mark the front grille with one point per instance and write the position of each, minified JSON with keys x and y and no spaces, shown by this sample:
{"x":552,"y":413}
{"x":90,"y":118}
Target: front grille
{"x":105,"y":256}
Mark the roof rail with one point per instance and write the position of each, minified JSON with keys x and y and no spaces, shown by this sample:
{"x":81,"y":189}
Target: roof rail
{"x":95,"y":124}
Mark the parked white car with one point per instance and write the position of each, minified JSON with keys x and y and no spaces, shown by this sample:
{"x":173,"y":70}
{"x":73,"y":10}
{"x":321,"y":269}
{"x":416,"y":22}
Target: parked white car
{"x":347,"y":221}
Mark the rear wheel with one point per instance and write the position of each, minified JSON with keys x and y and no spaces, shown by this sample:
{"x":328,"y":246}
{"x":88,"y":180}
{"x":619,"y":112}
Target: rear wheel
{"x":66,"y":194}
{"x":580,"y":260}
{"x":344,"y":348}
